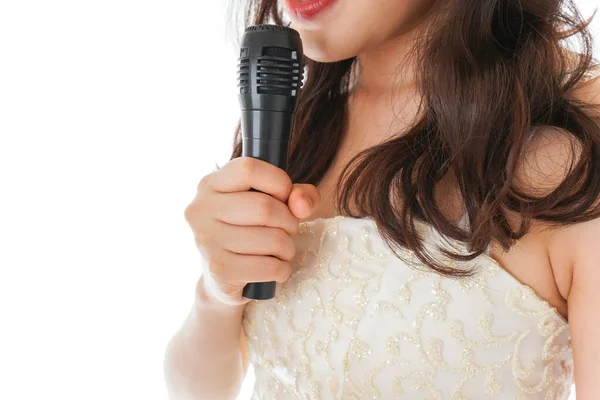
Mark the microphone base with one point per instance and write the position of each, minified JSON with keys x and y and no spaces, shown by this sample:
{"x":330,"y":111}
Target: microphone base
{"x":259,"y":290}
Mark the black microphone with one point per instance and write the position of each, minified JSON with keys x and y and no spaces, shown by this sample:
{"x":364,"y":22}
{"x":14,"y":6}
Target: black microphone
{"x":269,"y":80}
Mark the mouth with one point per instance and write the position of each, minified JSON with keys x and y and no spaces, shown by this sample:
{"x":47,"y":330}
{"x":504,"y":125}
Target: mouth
{"x":308,"y":9}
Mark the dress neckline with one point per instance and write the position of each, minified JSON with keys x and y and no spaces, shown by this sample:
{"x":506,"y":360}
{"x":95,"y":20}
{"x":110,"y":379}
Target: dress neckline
{"x":485,"y":256}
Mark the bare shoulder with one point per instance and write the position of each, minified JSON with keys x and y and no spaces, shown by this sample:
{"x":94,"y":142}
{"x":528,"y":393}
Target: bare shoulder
{"x":547,"y":159}
{"x":551,"y":152}
{"x":575,"y":250}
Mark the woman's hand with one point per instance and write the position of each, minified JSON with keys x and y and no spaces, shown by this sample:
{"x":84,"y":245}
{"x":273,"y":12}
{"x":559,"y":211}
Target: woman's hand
{"x":243,"y":235}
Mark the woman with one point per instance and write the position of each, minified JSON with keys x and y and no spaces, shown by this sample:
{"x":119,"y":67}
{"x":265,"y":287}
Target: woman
{"x":436,"y":236}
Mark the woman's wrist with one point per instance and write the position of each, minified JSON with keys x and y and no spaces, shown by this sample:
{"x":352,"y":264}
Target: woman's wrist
{"x":207,"y":299}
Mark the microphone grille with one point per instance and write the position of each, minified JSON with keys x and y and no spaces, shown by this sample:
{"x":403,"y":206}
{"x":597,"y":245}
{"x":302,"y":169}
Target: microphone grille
{"x":270,"y":27}
{"x":270,"y":61}
{"x":282,"y":52}
{"x":278,"y":71}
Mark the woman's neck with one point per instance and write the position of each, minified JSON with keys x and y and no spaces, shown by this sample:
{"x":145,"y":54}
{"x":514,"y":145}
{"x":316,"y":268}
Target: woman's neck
{"x":388,"y":67}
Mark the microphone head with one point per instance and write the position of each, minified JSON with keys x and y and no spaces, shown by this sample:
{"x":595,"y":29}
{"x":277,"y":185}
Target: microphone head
{"x":270,"y":68}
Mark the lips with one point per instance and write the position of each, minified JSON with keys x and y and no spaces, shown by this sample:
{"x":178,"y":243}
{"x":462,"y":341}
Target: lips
{"x":308,"y":9}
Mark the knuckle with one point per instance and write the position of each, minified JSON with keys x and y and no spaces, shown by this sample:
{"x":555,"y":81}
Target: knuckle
{"x":278,"y":238}
{"x":264,"y":208}
{"x":190,"y":211}
{"x":281,"y":241}
{"x":292,"y":252}
{"x":295,"y":227}
{"x":288,"y":271}
{"x":195,"y":208}
{"x":248,"y":166}
{"x":205,"y":181}
{"x":285,"y":271}
{"x":287,"y":184}
{"x":271,"y":268}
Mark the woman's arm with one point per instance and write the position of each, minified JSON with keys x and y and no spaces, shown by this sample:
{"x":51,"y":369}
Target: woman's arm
{"x":582,"y":244}
{"x":204,"y":359}
{"x":573,"y":250}
{"x":574,"y":254}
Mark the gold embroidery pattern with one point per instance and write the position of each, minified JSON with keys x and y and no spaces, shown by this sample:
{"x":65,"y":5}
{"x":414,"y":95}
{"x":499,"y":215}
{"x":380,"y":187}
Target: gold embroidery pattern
{"x":355,"y":322}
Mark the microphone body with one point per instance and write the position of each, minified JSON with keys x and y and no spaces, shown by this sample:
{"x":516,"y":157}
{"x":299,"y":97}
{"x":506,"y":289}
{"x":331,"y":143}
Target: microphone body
{"x":269,"y":79}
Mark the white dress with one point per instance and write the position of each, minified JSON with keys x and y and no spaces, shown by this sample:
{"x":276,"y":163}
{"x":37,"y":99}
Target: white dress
{"x":356,"y":322}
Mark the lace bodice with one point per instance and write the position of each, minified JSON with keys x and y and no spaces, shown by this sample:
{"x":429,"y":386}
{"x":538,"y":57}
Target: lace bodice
{"x":356,"y":322}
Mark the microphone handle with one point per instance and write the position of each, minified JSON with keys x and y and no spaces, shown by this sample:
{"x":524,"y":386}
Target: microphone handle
{"x":273,"y":151}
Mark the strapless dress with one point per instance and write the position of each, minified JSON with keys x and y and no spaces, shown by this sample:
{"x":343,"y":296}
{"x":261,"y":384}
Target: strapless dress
{"x":354,"y":321}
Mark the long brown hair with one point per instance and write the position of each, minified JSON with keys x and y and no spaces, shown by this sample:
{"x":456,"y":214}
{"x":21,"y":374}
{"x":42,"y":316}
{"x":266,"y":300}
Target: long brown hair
{"x":490,"y":73}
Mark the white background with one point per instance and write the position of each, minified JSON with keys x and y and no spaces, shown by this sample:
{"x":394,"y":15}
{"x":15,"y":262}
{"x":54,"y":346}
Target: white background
{"x":110,"y":113}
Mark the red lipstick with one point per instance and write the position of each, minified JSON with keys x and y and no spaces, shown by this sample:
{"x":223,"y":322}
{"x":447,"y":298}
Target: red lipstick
{"x":307,"y":9}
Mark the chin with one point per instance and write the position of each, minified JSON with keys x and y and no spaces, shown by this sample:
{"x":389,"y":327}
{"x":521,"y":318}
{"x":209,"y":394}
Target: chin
{"x":326,"y":49}
{"x":323,"y":56}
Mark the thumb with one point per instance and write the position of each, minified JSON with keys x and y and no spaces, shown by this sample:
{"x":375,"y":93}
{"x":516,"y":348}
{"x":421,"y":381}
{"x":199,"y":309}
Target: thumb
{"x":303,"y":199}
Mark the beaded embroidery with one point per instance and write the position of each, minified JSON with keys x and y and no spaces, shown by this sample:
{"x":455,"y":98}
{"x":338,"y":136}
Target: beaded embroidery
{"x":355,"y":322}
